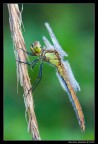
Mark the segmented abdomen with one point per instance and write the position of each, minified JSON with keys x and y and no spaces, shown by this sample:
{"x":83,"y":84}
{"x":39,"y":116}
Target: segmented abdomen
{"x":65,"y":82}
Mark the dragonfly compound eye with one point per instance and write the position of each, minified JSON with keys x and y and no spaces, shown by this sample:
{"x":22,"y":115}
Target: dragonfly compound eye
{"x":36,"y":47}
{"x":36,"y":44}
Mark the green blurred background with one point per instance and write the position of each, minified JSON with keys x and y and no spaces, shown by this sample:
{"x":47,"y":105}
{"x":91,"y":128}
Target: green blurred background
{"x":73,"y":25}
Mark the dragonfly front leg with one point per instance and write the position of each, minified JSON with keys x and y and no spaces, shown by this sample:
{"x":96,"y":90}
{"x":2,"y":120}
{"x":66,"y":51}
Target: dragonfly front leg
{"x":29,"y":53}
{"x":32,"y":64}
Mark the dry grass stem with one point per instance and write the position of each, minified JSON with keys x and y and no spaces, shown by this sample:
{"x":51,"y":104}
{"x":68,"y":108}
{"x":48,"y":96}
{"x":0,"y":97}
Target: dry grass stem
{"x":22,"y":73}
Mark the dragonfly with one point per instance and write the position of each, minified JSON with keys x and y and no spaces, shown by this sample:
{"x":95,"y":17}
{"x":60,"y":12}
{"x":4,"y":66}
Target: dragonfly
{"x":54,"y":54}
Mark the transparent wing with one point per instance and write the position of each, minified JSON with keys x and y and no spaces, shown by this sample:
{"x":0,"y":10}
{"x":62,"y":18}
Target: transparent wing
{"x":72,"y":80}
{"x":48,"y":45}
{"x":55,"y":41}
{"x":62,"y":82}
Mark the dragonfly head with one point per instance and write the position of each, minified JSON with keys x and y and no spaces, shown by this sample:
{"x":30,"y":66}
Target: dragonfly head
{"x":36,"y":48}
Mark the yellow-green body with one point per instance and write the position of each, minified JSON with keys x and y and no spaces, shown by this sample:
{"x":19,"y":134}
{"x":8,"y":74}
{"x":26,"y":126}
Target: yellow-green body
{"x":53,"y":57}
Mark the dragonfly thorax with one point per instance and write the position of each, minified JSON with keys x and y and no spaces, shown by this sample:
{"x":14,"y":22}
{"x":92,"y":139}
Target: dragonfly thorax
{"x":36,"y":48}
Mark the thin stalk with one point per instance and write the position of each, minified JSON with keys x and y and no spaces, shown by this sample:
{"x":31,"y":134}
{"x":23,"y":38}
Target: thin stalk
{"x":15,"y":21}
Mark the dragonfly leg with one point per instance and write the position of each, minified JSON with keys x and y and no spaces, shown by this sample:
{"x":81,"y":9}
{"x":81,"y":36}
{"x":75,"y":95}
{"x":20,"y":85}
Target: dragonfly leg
{"x":37,"y":80}
{"x":32,"y":64}
{"x":29,"y":53}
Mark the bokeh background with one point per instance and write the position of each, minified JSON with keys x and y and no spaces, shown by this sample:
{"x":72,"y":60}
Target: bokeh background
{"x":73,"y":25}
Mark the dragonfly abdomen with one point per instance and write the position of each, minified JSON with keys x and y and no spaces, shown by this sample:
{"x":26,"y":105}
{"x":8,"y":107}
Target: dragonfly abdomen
{"x":72,"y":96}
{"x":77,"y":107}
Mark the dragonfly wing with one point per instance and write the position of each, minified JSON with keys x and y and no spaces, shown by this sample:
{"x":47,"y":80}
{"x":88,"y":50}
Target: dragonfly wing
{"x":48,"y":45}
{"x":55,"y":41}
{"x":73,"y":82}
{"x":62,"y":82}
